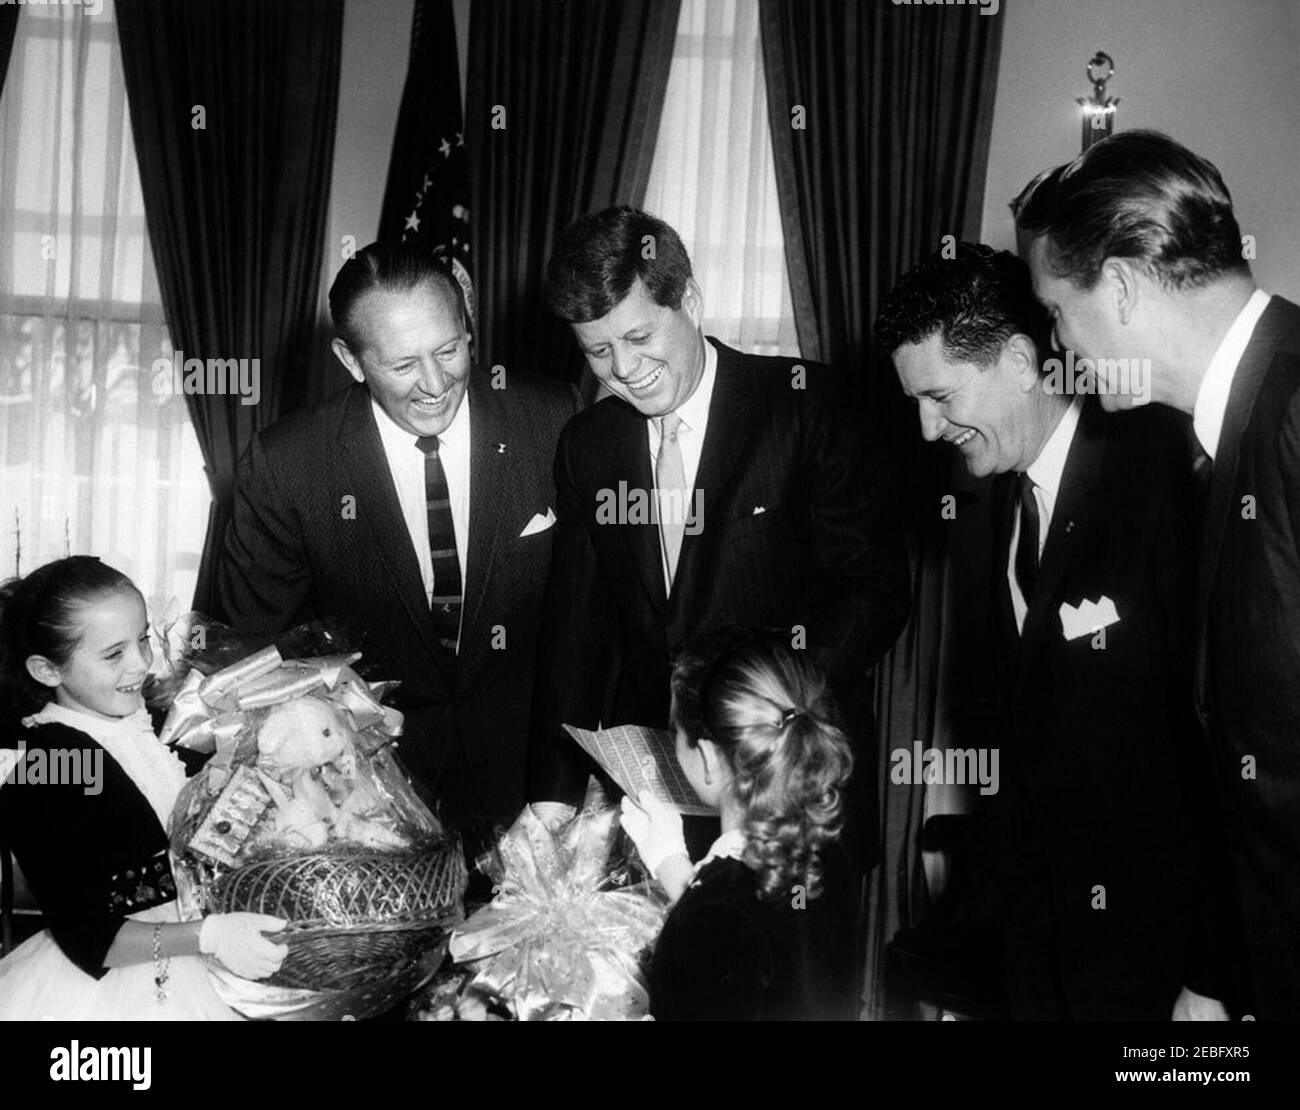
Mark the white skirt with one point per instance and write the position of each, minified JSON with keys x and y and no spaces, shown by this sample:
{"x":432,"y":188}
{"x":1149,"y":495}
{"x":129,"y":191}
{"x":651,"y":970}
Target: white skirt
{"x":39,"y":983}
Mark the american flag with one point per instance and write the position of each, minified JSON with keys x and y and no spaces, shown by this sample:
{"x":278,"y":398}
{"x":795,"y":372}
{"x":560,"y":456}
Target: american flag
{"x":427,"y":198}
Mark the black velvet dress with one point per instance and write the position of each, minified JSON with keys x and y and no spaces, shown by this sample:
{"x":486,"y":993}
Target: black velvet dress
{"x":726,"y":955}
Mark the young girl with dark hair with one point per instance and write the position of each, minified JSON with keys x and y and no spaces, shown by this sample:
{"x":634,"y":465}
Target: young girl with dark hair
{"x":762,"y":927}
{"x":86,"y":790}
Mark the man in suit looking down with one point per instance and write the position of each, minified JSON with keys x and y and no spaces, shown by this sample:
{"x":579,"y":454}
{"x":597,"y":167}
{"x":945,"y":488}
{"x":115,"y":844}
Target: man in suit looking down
{"x":712,"y":489}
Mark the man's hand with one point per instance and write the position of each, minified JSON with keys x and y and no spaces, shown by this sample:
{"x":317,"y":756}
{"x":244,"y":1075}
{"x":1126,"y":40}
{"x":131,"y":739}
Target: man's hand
{"x":1196,"y":1007}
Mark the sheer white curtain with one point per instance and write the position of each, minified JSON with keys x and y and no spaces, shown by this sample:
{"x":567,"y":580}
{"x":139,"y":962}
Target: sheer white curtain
{"x":97,"y":456}
{"x":713,"y":177}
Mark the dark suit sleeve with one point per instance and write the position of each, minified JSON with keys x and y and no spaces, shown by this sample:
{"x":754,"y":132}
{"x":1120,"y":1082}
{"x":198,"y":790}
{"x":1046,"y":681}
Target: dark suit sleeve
{"x":575,"y":648}
{"x":263,"y":580}
{"x":860,"y":550}
{"x":1213,"y":929}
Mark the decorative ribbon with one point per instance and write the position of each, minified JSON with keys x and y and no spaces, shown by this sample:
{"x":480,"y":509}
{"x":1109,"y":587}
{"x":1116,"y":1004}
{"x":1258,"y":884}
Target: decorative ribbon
{"x":209,"y":713}
{"x":555,"y":942}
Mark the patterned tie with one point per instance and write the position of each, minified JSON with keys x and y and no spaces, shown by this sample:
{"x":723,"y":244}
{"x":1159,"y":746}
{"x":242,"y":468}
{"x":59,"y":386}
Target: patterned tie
{"x":1026,"y":566}
{"x":442,"y":546}
{"x":670,"y":480}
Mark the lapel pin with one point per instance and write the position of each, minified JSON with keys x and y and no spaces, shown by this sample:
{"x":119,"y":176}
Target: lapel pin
{"x":501,"y":448}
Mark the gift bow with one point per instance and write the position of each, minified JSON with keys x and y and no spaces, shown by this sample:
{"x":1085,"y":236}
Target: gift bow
{"x":208,"y":712}
{"x":553,"y":943}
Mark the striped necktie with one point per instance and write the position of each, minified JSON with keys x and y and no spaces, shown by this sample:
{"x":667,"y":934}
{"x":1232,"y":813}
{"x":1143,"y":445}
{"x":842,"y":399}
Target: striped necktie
{"x":442,"y":546}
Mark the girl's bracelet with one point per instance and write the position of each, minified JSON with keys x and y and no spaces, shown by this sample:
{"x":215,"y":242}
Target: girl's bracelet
{"x":160,"y":966}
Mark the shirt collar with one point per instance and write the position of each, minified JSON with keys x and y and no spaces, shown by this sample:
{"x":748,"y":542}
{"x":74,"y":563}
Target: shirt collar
{"x":1046,"y":470}
{"x":1212,"y":396}
{"x":98,"y":728}
{"x":730,"y":845}
{"x":397,"y":438}
{"x":694,"y":411}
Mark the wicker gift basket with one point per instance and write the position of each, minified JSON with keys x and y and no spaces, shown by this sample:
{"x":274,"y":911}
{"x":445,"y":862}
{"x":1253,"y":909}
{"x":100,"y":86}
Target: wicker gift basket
{"x":355,"y":917}
{"x":303,"y":813}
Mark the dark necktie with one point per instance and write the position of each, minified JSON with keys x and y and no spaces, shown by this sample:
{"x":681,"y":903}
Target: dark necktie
{"x":1026,"y":565}
{"x":442,"y":546}
{"x":1202,"y":468}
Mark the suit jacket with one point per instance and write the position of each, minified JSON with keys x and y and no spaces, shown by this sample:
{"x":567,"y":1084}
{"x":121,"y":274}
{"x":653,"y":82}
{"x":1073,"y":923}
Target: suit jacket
{"x":1248,"y":674}
{"x":296,"y":550}
{"x":796,"y":531}
{"x":1104,"y":778}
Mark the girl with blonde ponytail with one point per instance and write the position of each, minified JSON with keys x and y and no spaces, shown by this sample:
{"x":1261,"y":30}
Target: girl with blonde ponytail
{"x":762,"y":927}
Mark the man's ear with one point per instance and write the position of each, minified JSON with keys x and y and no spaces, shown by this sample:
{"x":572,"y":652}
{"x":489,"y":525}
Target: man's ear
{"x":344,"y":354}
{"x":693,"y":302}
{"x":1121,"y":278}
{"x":1021,"y":354}
{"x":44,"y":671}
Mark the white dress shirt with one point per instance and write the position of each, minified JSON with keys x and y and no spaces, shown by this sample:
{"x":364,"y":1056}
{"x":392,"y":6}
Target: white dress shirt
{"x":1212,"y":396}
{"x":694,"y":412}
{"x":1045,"y":472}
{"x":406,"y":464}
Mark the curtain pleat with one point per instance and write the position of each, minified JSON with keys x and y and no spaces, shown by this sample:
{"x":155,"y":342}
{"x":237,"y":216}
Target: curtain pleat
{"x":881,"y":116}
{"x":8,"y":25}
{"x":562,"y":109}
{"x":233,"y":106}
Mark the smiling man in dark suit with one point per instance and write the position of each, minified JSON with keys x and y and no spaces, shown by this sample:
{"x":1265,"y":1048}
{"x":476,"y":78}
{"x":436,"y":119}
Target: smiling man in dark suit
{"x":769,"y":510}
{"x":416,"y":506}
{"x":1137,"y":253}
{"x":1090,"y":850}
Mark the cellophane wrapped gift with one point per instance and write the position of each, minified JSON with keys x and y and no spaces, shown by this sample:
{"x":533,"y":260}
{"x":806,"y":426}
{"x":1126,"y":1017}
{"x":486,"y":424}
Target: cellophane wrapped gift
{"x":569,"y":929}
{"x":302,"y":812}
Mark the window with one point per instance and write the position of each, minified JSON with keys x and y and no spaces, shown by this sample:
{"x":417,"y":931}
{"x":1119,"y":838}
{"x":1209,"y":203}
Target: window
{"x":93,"y":459}
{"x":714,"y":180}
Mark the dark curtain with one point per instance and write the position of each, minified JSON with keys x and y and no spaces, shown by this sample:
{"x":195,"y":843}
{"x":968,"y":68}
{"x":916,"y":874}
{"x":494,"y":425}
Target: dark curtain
{"x":896,"y":107}
{"x":233,"y":108}
{"x":8,"y":25}
{"x":562,"y":113}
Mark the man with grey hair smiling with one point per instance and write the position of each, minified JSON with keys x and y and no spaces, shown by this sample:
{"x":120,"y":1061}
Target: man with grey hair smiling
{"x":416,"y":506}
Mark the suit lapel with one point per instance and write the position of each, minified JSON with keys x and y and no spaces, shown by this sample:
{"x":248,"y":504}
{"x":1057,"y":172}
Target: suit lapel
{"x":727,"y":440}
{"x":1003,"y":494}
{"x":1267,"y":337}
{"x":363,"y":456}
{"x":1083,"y":468}
{"x":488,"y":493}
{"x":631,"y":457}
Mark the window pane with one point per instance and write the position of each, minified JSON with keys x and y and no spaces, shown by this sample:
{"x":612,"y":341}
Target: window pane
{"x":714,"y":179}
{"x":92,"y":460}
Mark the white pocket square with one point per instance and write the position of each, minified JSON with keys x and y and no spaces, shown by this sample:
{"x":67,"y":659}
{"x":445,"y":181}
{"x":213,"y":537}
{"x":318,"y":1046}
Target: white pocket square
{"x":1089,"y":617}
{"x":759,"y":509}
{"x":539,"y":523}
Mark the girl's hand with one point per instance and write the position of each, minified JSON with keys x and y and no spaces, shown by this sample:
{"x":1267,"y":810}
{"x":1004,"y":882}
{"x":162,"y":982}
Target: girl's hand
{"x":655,"y":829}
{"x":237,"y":940}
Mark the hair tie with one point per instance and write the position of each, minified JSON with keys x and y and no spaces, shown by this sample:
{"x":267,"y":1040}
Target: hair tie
{"x":792,"y":714}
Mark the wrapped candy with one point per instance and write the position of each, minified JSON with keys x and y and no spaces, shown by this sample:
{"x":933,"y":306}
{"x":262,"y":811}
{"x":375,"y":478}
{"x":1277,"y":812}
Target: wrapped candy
{"x":566,"y":932}
{"x":302,"y":812}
